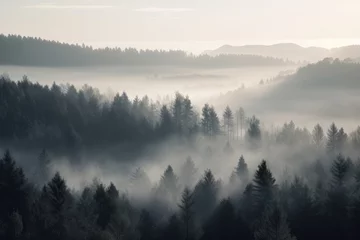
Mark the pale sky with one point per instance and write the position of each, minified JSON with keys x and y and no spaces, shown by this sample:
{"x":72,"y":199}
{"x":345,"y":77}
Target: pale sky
{"x":192,"y":25}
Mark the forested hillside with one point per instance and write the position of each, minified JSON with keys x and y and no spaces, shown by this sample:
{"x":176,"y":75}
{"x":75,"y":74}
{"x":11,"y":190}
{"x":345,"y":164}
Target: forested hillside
{"x":317,"y":198}
{"x":28,"y":51}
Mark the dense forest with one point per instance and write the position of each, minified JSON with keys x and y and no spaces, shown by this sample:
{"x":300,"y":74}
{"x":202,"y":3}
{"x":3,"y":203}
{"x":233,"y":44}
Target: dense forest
{"x":321,"y":201}
{"x":318,"y":198}
{"x":28,"y":51}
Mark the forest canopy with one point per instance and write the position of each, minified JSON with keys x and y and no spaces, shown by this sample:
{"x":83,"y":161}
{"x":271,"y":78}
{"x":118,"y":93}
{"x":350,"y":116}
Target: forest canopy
{"x":29,"y":51}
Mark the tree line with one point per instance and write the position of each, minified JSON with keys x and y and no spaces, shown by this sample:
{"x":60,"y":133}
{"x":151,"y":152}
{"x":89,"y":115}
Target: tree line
{"x":29,"y":51}
{"x":323,"y":204}
{"x":61,"y":116}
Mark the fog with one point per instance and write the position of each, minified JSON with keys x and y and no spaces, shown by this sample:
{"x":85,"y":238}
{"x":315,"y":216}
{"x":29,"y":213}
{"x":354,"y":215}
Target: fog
{"x":155,"y":82}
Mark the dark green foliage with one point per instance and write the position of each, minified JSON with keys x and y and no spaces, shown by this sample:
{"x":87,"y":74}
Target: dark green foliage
{"x":103,"y":207}
{"x":254,"y":132}
{"x":28,"y":51}
{"x":13,"y":197}
{"x":242,"y":171}
{"x":222,"y":224}
{"x":210,"y":124}
{"x":205,"y":195}
{"x":188,"y":173}
{"x":173,"y":229}
{"x":273,"y":226}
{"x":264,"y":188}
{"x":332,"y":140}
{"x":169,"y":184}
{"x":318,"y":136}
{"x":146,"y":226}
{"x":187,"y":212}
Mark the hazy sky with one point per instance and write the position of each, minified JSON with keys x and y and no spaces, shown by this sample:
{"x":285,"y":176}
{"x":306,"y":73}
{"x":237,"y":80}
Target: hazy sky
{"x":188,"y":24}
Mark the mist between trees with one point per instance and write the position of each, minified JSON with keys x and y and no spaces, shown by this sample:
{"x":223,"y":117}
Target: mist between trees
{"x":137,"y":169}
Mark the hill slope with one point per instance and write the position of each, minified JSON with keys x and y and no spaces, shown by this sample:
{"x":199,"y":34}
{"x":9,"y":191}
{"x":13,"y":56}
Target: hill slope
{"x":290,"y":51}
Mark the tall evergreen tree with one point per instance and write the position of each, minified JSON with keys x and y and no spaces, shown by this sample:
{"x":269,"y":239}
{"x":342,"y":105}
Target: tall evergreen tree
{"x":228,"y":119}
{"x":264,"y":188}
{"x":59,"y":202}
{"x":205,"y":195}
{"x":273,"y":226}
{"x":146,"y":226}
{"x":254,"y":132}
{"x":242,"y":170}
{"x":332,"y":139}
{"x":173,"y":229}
{"x":318,"y":136}
{"x":169,"y":184}
{"x":242,"y":117}
{"x":214,"y":123}
{"x":188,"y":173}
{"x":341,"y":139}
{"x":223,"y":223}
{"x":187,"y":212}
{"x":14,"y":196}
{"x":166,"y":123}
{"x":205,"y":120}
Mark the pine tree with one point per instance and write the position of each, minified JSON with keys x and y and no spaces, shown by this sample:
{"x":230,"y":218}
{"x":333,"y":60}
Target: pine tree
{"x":264,"y":188}
{"x":242,"y":121}
{"x":222,"y":224}
{"x":166,"y":123}
{"x":173,"y":229}
{"x":188,"y":173}
{"x":332,"y":141}
{"x":337,"y":202}
{"x":13,"y":192}
{"x":140,"y":183}
{"x":254,"y":132}
{"x":205,"y":195}
{"x":188,"y":116}
{"x":169,"y":184}
{"x":339,"y":171}
{"x":301,"y":213}
{"x":318,"y":136}
{"x":103,"y":208}
{"x":214,"y":128}
{"x":187,"y":212}
{"x":59,"y":202}
{"x":177,"y":112}
{"x":146,"y":226}
{"x":241,"y":170}
{"x":228,"y":122}
{"x":341,"y":138}
{"x":273,"y":226}
{"x":205,"y":120}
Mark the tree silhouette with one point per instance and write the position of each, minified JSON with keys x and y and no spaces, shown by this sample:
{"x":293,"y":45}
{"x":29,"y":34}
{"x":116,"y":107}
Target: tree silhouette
{"x":254,"y":132}
{"x":273,"y":226}
{"x":318,"y":136}
{"x":332,"y":139}
{"x":188,"y":173}
{"x":14,"y":197}
{"x":228,"y":122}
{"x":264,"y":188}
{"x":187,"y":213}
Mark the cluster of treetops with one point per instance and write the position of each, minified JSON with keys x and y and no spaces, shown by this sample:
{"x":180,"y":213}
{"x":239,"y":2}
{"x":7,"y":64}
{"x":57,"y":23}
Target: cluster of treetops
{"x":50,"y":117}
{"x":324,"y":203}
{"x":28,"y":51}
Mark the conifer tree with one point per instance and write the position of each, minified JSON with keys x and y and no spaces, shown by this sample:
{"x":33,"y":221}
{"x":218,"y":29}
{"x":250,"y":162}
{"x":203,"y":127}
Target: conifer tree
{"x":188,"y":173}
{"x":332,"y":139}
{"x":318,"y":136}
{"x":273,"y":226}
{"x":242,"y":170}
{"x":187,"y":212}
{"x":264,"y":188}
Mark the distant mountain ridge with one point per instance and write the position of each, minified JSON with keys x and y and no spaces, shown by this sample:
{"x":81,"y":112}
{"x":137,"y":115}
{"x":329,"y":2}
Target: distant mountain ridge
{"x":290,"y":51}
